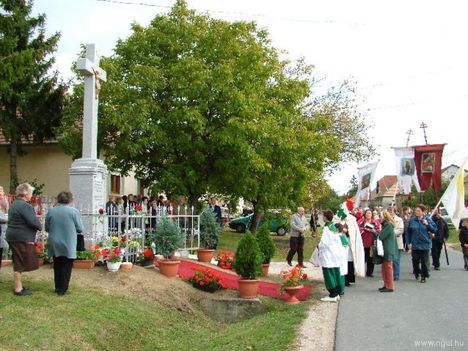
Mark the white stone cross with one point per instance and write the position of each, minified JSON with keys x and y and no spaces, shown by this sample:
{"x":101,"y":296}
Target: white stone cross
{"x":89,"y":67}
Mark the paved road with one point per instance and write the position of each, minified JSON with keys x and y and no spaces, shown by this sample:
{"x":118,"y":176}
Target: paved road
{"x":435,"y":312}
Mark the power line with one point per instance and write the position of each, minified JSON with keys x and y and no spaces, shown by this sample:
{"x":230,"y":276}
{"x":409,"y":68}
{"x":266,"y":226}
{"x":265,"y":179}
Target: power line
{"x":237,"y":13}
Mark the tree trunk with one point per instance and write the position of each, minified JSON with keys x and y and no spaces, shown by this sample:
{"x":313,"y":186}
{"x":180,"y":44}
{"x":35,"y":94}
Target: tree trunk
{"x":256,"y":217}
{"x":193,"y":201}
{"x":13,"y":168}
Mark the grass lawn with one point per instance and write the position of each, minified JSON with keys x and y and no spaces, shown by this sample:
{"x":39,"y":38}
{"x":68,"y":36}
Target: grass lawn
{"x":228,"y":241}
{"x":89,"y":319}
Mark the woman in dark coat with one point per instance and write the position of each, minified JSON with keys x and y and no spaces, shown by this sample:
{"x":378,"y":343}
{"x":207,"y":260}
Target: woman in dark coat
{"x":21,"y":236}
{"x":390,"y":246}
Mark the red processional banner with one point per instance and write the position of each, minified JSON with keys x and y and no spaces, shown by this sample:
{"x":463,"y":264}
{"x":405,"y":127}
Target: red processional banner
{"x":428,"y":162}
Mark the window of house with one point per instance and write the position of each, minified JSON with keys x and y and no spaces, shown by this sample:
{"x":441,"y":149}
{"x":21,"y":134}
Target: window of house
{"x":115,"y":184}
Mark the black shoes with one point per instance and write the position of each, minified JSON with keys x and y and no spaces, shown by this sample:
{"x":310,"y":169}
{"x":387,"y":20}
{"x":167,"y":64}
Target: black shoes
{"x":423,"y":280}
{"x":370,"y":275}
{"x":386,"y":290}
{"x":289,"y":263}
{"x":437,"y":268}
{"x":24,"y":292}
{"x":416,"y":276}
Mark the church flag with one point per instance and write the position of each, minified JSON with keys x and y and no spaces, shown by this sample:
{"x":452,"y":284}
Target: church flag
{"x":406,"y":170}
{"x":454,"y":197}
{"x":428,"y":162}
{"x":365,"y":178}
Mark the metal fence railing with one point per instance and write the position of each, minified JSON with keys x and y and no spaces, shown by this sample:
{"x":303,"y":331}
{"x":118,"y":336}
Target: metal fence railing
{"x":132,"y":230}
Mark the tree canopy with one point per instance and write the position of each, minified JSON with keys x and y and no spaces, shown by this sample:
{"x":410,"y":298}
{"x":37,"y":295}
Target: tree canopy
{"x":31,"y":100}
{"x":195,"y":104}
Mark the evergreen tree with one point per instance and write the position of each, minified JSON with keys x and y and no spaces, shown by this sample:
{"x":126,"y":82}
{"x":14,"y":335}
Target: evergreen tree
{"x":209,"y":229}
{"x":31,"y":99}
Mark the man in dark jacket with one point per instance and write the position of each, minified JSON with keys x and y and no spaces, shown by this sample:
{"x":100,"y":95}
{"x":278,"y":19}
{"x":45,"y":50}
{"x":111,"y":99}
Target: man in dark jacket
{"x":438,"y":238}
{"x":216,"y":209}
{"x":463,"y":236}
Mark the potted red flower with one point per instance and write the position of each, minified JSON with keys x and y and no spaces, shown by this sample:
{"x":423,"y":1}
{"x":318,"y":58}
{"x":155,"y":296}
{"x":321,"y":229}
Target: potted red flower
{"x":225,"y":259}
{"x":205,"y":279}
{"x":113,"y":257}
{"x":292,"y":283}
{"x":40,"y":253}
{"x":146,"y":257}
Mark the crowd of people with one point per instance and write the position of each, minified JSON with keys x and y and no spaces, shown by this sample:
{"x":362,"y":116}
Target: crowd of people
{"x":353,"y":241}
{"x":64,"y":225}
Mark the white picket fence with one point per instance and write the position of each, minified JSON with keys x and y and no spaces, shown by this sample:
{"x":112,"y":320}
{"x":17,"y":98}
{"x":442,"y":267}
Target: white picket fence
{"x":132,"y":230}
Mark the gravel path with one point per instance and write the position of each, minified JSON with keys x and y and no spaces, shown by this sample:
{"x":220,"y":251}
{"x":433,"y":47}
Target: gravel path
{"x":317,"y":333}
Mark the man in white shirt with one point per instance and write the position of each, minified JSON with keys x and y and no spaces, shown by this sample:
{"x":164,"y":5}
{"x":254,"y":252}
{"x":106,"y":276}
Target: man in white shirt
{"x":299,"y":226}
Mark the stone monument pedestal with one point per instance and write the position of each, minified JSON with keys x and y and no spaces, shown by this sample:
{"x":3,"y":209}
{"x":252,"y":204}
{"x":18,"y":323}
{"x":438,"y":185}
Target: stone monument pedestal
{"x":88,"y":183}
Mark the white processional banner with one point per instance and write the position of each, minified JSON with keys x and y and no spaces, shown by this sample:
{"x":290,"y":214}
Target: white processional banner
{"x":406,"y":170}
{"x":365,"y":178}
{"x":454,"y":197}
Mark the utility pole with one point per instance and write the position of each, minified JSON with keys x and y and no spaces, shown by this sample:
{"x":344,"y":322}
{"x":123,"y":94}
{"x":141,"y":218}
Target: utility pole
{"x":423,"y":126}
{"x":409,"y":132}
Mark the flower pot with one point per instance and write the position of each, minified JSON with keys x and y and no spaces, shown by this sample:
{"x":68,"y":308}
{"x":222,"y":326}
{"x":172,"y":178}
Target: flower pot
{"x":265,"y":268}
{"x":126,"y":266}
{"x":248,"y":288}
{"x":6,"y":263}
{"x":205,"y":255}
{"x":83,"y":264}
{"x":113,"y":266}
{"x":40,"y":261}
{"x":292,"y":291}
{"x":169,"y":268}
{"x":147,"y":263}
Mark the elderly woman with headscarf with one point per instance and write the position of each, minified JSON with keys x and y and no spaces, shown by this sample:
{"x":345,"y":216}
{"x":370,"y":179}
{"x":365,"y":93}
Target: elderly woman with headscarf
{"x":23,"y":225}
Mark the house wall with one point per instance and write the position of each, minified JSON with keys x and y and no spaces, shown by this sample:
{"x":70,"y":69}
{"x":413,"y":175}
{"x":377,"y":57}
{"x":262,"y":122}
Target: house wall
{"x":50,"y":165}
{"x":449,"y":173}
{"x":47,"y":163}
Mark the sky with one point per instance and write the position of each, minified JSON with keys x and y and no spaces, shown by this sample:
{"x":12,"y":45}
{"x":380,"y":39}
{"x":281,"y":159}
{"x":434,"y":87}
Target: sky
{"x":409,"y":59}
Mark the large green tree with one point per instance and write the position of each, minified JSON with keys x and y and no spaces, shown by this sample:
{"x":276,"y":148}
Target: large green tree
{"x":31,"y":100}
{"x":195,"y":104}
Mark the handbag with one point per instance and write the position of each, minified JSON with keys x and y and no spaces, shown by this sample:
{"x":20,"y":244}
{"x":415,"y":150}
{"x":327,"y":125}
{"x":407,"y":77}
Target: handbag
{"x":80,"y":243}
{"x":380,"y":250}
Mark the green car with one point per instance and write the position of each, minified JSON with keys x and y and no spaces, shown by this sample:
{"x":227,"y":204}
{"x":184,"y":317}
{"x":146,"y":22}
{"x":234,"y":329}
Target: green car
{"x":277,"y":224}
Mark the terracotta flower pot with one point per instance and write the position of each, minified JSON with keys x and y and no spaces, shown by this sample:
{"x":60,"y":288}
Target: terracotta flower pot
{"x":40,"y":261}
{"x":169,"y":268}
{"x":248,"y":288}
{"x":292,"y":291}
{"x":265,"y":268}
{"x":83,"y":264}
{"x":126,"y":266}
{"x":6,"y":263}
{"x":205,"y":255}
